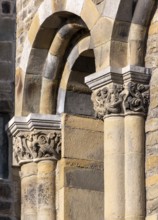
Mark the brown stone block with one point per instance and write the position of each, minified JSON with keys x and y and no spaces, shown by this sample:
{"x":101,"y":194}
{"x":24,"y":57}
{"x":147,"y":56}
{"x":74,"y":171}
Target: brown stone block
{"x":44,"y":38}
{"x":89,"y":14}
{"x":84,"y":44}
{"x":73,"y":57}
{"x":81,"y":174}
{"x":84,"y":123}
{"x":82,"y":139}
{"x":119,"y":54}
{"x":152,"y":138}
{"x":137,"y":32}
{"x":102,"y":56}
{"x":152,"y":206}
{"x":151,"y":180}
{"x":48,"y":92}
{"x":121,"y":31}
{"x":80,"y":204}
{"x":58,"y":5}
{"x":34,"y":29}
{"x":151,"y":125}
{"x":151,"y":162}
{"x":152,"y":192}
{"x":153,"y":28}
{"x":152,"y":217}
{"x":153,"y":100}
{"x":59,"y":45}
{"x":31,"y":99}
{"x":102,"y":31}
{"x":137,"y":52}
{"x":36,"y":61}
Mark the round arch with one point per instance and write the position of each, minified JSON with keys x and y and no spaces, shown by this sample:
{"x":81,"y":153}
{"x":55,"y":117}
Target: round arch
{"x":40,"y":37}
{"x":118,"y":39}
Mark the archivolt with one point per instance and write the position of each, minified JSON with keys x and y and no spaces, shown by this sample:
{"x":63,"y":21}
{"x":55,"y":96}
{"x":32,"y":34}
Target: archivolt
{"x":117,"y":36}
{"x":55,"y":23}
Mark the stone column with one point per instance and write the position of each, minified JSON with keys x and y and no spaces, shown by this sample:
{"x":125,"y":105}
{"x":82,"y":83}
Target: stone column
{"x":120,"y":98}
{"x":107,"y":87}
{"x":136,"y":98}
{"x":36,"y":149}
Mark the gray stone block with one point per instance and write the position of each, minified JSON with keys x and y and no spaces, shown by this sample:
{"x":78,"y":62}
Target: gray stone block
{"x":6,"y":71}
{"x":4,"y":218}
{"x":5,"y":206}
{"x":36,"y":61}
{"x":85,"y":179}
{"x":142,"y":12}
{"x":5,"y":191}
{"x":7,"y":29}
{"x":125,"y":11}
{"x":78,"y":103}
{"x":6,"y":53}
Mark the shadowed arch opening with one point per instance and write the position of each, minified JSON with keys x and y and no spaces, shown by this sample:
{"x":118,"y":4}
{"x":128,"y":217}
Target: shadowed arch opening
{"x":77,"y":95}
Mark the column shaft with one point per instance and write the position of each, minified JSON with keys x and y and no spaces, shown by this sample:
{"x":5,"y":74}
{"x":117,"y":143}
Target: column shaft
{"x":114,"y":168}
{"x":46,"y":190}
{"x":134,"y":168}
{"x":28,"y":191}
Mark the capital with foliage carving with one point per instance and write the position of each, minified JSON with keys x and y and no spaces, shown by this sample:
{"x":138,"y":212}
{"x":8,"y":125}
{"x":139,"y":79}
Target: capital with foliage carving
{"x":108,"y":100}
{"x":129,"y":95}
{"x":35,"y":138}
{"x":37,"y":146}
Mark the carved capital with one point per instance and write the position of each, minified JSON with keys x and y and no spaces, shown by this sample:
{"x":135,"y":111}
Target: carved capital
{"x":120,"y":91}
{"x":35,"y":137}
{"x":118,"y":99}
{"x":136,"y":97}
{"x":36,"y":146}
{"x":108,"y":100}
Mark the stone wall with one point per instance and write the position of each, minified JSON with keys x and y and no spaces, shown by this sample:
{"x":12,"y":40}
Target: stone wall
{"x":152,"y":122}
{"x":7,"y":55}
{"x":9,"y":180}
{"x":26,"y":9}
{"x":80,"y":175}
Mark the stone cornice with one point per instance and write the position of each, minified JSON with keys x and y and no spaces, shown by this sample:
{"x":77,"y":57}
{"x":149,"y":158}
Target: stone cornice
{"x":104,"y":77}
{"x":33,"y":121}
